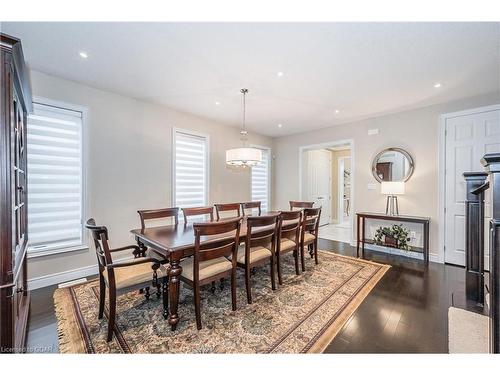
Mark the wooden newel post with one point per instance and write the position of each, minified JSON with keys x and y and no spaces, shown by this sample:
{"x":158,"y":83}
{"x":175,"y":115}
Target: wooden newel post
{"x":492,"y":164}
{"x":474,"y":236}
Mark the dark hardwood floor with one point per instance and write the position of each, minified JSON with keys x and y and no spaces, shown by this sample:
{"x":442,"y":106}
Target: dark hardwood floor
{"x":406,"y":312}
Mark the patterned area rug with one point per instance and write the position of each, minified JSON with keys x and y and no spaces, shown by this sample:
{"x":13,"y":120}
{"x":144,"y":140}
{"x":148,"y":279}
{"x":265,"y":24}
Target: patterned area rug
{"x":303,"y":315}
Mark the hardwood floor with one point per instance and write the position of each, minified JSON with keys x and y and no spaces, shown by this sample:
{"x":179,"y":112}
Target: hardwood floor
{"x":406,"y":312}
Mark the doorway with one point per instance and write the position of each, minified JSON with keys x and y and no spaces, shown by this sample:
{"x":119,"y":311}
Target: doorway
{"x":465,"y":137}
{"x":326,"y":180}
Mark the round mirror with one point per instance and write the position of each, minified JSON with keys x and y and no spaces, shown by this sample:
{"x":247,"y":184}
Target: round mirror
{"x":392,"y":164}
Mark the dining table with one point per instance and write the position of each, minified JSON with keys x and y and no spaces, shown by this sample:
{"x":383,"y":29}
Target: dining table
{"x":177,"y":242}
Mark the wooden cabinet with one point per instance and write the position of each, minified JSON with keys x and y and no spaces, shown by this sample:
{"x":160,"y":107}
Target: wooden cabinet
{"x":15,"y":104}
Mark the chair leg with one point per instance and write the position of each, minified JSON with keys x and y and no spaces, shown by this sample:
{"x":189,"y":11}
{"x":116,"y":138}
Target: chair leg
{"x":273,"y":283}
{"x":302,"y":259}
{"x":222,"y":284}
{"x":212,"y":289}
{"x":316,"y":252}
{"x":296,"y":256}
{"x":147,"y":295}
{"x":112,"y":313}
{"x":278,"y":265}
{"x":311,"y":250}
{"x":233,"y":288}
{"x":247,"y":284}
{"x":164,"y":286}
{"x":102,"y":296}
{"x":158,"y":290}
{"x":197,"y":307}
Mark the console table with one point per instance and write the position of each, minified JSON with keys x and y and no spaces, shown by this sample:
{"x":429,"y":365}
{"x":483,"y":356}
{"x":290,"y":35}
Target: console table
{"x":361,"y":220}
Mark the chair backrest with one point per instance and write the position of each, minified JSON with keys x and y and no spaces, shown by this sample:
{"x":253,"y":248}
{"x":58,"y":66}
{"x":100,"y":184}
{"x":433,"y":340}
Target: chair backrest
{"x":250,"y":206}
{"x":300,"y":205}
{"x":221,"y":207}
{"x":225,"y":242}
{"x":262,"y":237}
{"x":290,"y":225}
{"x":100,"y":237}
{"x":198,"y":211}
{"x":161,"y":213}
{"x":310,"y":219}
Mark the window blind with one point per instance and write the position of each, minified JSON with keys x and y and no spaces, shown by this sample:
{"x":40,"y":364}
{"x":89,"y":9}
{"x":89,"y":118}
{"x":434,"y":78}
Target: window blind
{"x":260,"y":181}
{"x":54,"y":178}
{"x":190,"y":174}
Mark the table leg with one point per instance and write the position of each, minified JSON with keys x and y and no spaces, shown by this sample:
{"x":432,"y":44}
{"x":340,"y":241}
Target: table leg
{"x":363,"y":237}
{"x":173,"y":291}
{"x":140,"y":253}
{"x":358,"y":229}
{"x":426,"y":244}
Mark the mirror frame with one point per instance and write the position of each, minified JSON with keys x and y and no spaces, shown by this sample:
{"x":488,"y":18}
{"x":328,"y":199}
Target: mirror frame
{"x":396,"y":149}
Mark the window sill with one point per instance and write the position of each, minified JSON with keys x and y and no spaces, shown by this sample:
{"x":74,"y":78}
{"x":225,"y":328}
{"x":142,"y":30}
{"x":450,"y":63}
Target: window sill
{"x":46,"y":252}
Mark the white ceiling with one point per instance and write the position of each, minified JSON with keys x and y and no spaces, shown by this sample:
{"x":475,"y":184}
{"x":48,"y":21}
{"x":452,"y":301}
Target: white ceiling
{"x":361,"y":69}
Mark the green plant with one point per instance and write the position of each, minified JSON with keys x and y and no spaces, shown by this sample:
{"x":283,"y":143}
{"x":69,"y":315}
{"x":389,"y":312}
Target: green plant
{"x":396,"y":232}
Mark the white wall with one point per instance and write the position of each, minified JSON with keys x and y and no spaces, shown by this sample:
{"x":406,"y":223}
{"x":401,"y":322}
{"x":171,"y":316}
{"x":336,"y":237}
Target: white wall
{"x":415,"y":131}
{"x":129,"y":162}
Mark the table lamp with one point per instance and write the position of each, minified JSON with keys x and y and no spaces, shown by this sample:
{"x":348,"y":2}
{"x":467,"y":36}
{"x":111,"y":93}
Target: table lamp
{"x":392,"y":189}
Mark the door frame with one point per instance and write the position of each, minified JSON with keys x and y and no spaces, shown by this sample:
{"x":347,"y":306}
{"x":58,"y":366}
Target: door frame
{"x":442,"y":170}
{"x":340,"y":187}
{"x":347,"y":142}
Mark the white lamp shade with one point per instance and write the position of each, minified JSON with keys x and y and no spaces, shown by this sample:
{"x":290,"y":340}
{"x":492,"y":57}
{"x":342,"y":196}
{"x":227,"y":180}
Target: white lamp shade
{"x":243,"y":156}
{"x":392,"y":187}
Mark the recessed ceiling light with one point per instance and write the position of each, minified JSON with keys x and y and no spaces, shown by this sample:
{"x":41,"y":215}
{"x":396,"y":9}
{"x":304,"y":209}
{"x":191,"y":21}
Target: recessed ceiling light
{"x":337,"y":111}
{"x":437,"y":85}
{"x":280,"y":125}
{"x":83,"y":55}
{"x":280,"y":74}
{"x":217,"y":103}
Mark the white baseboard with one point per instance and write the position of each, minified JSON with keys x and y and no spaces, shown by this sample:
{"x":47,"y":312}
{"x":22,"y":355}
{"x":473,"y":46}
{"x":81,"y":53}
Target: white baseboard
{"x":383,"y":249}
{"x":61,"y":277}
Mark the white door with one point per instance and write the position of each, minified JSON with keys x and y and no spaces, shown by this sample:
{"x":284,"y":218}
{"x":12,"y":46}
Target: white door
{"x":319,"y":170}
{"x":467,"y":139}
{"x":344,"y":191}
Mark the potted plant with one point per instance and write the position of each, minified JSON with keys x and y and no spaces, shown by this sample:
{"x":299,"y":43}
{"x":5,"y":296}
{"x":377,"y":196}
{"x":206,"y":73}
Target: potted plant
{"x":395,"y":236}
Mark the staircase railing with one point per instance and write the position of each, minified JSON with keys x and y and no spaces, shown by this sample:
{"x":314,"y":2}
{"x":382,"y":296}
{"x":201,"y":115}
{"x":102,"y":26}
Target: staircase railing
{"x":474,"y":236}
{"x":491,"y":162}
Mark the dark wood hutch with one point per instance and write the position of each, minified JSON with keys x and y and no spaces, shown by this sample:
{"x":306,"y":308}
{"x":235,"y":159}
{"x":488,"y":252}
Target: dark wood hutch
{"x":15,"y":102}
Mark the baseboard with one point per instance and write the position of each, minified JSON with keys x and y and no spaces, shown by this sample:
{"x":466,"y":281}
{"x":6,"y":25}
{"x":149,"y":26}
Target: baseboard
{"x":383,"y":249}
{"x":61,"y":277}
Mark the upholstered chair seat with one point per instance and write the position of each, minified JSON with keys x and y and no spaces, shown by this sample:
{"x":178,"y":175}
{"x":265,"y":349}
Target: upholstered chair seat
{"x":133,"y":275}
{"x":309,"y":238}
{"x":256,"y":253}
{"x":208,"y":268}
{"x":287,"y":244}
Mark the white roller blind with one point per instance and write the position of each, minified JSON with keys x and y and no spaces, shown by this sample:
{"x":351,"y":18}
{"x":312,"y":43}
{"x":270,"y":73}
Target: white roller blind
{"x":54,"y":178}
{"x":190,"y":169}
{"x":260,"y":181}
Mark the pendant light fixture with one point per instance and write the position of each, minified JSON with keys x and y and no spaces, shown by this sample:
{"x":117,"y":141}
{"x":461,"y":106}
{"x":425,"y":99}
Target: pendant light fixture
{"x":244,"y":156}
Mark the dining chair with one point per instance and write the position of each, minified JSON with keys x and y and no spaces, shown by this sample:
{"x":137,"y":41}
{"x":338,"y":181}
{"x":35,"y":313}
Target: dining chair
{"x":210,"y":262}
{"x":259,"y":247}
{"x":288,"y":240}
{"x":198,"y":211}
{"x":300,"y":205}
{"x":223,"y":207}
{"x":121,"y":277}
{"x":251,"y":206}
{"x":162,"y":213}
{"x":309,"y":235}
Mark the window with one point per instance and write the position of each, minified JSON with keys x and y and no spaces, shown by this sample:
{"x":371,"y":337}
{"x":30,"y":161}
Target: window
{"x":260,"y":180}
{"x":55,"y":179}
{"x":190,"y":169}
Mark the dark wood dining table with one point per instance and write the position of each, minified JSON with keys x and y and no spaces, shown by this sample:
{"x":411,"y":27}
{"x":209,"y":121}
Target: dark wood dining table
{"x":174,"y":243}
